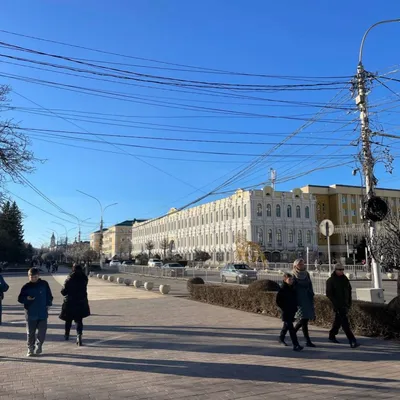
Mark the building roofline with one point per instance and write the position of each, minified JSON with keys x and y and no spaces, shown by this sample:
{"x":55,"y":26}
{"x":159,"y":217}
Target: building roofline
{"x":348,"y":186}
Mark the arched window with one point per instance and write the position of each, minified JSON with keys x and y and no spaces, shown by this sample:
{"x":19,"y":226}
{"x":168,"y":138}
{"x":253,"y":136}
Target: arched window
{"x":259,"y":210}
{"x":222,"y":215}
{"x":279,"y":236}
{"x":211,"y":218}
{"x":233,"y":212}
{"x":300,"y":238}
{"x":278,"y":210}
{"x":226,"y":214}
{"x":245,"y":211}
{"x":289,"y":211}
{"x":206,"y":219}
{"x":307,"y":212}
{"x":222,"y":238}
{"x":269,"y":210}
{"x":260,"y":236}
{"x":298,"y":212}
{"x":233,"y":236}
{"x":211,"y":240}
{"x":291,"y":236}
{"x":238,"y":235}
{"x":202,"y":219}
{"x":206,"y":240}
{"x":238,"y":211}
{"x":216,"y":238}
{"x":269,"y":236}
{"x":216,"y":216}
{"x":308,"y":236}
{"x":245,"y":234}
{"x":226,"y":238}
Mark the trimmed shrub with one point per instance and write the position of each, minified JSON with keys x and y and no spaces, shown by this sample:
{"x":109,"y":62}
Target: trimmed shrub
{"x":264,"y":285}
{"x":194,"y":281}
{"x":367,"y":319}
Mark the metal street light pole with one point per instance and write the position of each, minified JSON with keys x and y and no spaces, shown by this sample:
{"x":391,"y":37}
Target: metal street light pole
{"x":368,"y":159}
{"x":101,"y":223}
{"x":79,"y":222}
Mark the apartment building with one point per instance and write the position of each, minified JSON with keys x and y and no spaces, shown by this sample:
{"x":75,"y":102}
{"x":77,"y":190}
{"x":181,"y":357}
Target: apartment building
{"x":95,"y":240}
{"x":342,"y":204}
{"x":282,"y":223}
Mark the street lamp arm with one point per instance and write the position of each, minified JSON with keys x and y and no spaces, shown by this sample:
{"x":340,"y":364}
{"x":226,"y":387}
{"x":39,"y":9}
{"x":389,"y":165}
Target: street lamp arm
{"x":110,"y":205}
{"x":388,"y":21}
{"x":95,"y":198}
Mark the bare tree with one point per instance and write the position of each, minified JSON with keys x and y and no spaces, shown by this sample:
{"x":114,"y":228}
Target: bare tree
{"x":164,"y":245}
{"x":15,"y":156}
{"x":149,"y":246}
{"x":386,"y":244}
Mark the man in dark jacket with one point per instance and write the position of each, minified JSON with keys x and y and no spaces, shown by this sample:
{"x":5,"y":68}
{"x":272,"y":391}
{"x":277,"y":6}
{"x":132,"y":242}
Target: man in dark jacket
{"x":3,"y":288}
{"x":338,"y":290}
{"x":286,"y":300}
{"x":36,"y":297}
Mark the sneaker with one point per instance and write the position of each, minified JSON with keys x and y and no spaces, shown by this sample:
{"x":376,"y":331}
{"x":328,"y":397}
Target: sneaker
{"x":30,"y":353}
{"x":298,"y":348}
{"x":39,"y":348}
{"x":333,"y":339}
{"x":310,"y":344}
{"x":282,"y":342}
{"x":354,"y":344}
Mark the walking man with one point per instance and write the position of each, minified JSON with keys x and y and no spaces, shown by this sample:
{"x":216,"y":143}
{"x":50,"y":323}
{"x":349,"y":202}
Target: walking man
{"x":3,"y":288}
{"x":36,"y":297}
{"x":338,"y":290}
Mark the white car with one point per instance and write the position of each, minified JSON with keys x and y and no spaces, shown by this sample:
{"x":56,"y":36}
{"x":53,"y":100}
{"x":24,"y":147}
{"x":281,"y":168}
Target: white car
{"x":115,"y":263}
{"x":154,"y":262}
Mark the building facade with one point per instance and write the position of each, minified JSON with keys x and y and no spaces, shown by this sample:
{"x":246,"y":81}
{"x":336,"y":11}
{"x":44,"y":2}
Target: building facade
{"x":342,"y":204}
{"x":95,"y":240}
{"x":282,"y":223}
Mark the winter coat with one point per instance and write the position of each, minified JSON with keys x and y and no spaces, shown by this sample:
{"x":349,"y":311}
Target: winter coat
{"x":338,"y":291}
{"x":3,"y":287}
{"x":76,"y":304}
{"x":286,"y":300}
{"x":305,"y":298}
{"x":36,"y":309}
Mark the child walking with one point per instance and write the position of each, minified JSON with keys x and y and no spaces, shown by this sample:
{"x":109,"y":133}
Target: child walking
{"x":36,"y":297}
{"x":286,"y":300}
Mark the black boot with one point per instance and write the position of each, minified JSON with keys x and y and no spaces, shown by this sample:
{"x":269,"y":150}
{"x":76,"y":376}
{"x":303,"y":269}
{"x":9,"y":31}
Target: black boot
{"x":66,"y":335}
{"x":79,"y":340}
{"x":304,"y":327}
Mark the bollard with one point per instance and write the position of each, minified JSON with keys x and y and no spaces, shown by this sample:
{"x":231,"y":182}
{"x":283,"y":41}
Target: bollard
{"x":128,"y":282}
{"x":99,"y":276}
{"x":120,"y":280}
{"x":137,"y":284}
{"x":390,"y":276}
{"x":105,"y":277}
{"x":349,"y":275}
{"x":164,"y":289}
{"x":111,"y":278}
{"x":148,"y":286}
{"x":91,"y":274}
{"x":368,"y":275}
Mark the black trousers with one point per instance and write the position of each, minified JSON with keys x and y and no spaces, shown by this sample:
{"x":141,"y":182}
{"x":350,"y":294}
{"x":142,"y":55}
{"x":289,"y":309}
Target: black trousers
{"x":288,"y":326}
{"x":341,"y":320}
{"x":303,"y":324}
{"x":79,"y":326}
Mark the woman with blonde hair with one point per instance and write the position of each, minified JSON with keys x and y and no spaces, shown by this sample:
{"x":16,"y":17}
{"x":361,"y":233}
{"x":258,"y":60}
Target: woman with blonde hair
{"x":305,"y":298}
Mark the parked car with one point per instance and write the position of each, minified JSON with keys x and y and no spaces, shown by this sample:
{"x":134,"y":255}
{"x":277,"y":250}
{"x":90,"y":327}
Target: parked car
{"x":129,"y":262}
{"x":174,"y":269}
{"x":154,"y":262}
{"x":115,"y":263}
{"x":239,"y":273}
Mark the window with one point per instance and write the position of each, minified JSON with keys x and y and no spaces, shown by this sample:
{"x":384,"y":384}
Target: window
{"x":245,"y":234}
{"x":300,"y":238}
{"x":211,"y":218}
{"x":226,"y":238}
{"x":344,"y":198}
{"x":307,"y":212}
{"x":238,"y":235}
{"x":206,"y":240}
{"x":206,"y":219}
{"x":353,"y":199}
{"x":278,"y":210}
{"x":270,"y":236}
{"x":222,"y":238}
{"x":279,"y":236}
{"x":211,"y":240}
{"x":226,"y":214}
{"x":189,"y":224}
{"x":355,"y":239}
{"x":216,"y":238}
{"x":238,"y":211}
{"x":216,"y":216}
{"x":233,"y":212}
{"x":245,"y":211}
{"x":202,"y":219}
{"x":201,"y":240}
{"x":259,"y":210}
{"x":233,"y":236}
{"x":353,"y":213}
{"x":222,"y":215}
{"x":308,"y":236}
{"x":289,"y":211}
{"x":269,"y":210}
{"x":198,"y":221}
{"x":346,"y":212}
{"x":298,"y":212}
{"x":260,"y":236}
{"x":290,"y":236}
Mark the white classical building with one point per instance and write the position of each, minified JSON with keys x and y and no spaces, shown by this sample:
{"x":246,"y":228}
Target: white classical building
{"x":282,"y":223}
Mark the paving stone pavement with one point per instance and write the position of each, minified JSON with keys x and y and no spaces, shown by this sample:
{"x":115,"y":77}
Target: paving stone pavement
{"x":141,"y":345}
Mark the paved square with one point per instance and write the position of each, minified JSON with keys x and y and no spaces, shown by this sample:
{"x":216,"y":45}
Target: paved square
{"x":141,"y":345}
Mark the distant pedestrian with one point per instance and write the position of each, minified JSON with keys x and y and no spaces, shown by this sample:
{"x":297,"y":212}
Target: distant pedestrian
{"x":286,"y":300}
{"x":48,"y":266}
{"x":76,"y":304}
{"x":87,"y":268}
{"x":3,"y":288}
{"x":36,"y":297}
{"x":305,"y":299}
{"x":338,"y":290}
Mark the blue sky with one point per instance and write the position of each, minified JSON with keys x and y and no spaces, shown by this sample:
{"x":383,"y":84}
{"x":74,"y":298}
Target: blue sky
{"x":293,"y":38}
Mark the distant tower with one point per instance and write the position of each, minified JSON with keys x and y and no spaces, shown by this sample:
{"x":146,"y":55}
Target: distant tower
{"x":52,"y":241}
{"x":273,"y":178}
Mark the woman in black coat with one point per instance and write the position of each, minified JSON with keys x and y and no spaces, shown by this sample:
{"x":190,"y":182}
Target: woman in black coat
{"x":76,"y":304}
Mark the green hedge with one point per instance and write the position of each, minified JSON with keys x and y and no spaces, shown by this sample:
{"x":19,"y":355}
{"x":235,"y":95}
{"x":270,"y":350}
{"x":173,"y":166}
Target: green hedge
{"x":367,"y":319}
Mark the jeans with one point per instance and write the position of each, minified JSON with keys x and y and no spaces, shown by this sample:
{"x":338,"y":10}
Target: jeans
{"x":31,"y":326}
{"x":341,"y":320}
{"x":288,"y":326}
{"x":79,"y":326}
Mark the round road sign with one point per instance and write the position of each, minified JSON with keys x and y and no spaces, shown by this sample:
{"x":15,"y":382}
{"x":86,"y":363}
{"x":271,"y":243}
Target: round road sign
{"x":326,"y":227}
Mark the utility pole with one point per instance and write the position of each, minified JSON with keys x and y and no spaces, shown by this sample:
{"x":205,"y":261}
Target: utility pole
{"x":368,"y":159}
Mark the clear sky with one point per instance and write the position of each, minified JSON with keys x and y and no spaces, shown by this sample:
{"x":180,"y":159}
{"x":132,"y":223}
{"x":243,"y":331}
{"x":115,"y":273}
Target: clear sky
{"x":288,"y":38}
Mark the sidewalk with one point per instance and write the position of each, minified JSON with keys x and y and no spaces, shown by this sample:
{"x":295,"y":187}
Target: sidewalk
{"x":141,"y":345}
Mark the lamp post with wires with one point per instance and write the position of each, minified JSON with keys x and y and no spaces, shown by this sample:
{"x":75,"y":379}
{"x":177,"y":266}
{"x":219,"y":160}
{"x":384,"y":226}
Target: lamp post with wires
{"x":102,"y":210}
{"x":80,"y":222}
{"x":367,"y":156}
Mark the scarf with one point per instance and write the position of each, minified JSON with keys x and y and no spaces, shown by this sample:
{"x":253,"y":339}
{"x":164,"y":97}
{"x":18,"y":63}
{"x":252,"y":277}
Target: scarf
{"x":301,"y":275}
